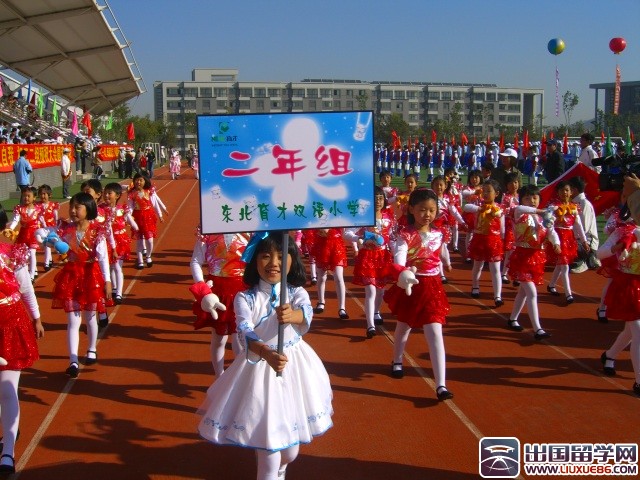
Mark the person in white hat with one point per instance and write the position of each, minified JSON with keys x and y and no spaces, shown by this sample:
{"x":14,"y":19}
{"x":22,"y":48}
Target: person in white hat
{"x":65,"y":172}
{"x":507,"y":164}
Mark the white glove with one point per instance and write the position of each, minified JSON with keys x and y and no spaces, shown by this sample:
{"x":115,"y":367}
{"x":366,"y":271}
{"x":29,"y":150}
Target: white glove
{"x":407,"y":279}
{"x":211,"y":302}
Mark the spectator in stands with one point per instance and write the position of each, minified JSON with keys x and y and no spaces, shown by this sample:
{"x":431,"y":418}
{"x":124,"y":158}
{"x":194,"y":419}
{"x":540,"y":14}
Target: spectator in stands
{"x":22,"y":169}
{"x":65,"y":172}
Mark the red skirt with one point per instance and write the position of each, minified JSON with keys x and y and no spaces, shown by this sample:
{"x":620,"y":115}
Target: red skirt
{"x":123,"y":247}
{"x":527,"y":265}
{"x":78,"y":286}
{"x":608,"y":266}
{"x":18,"y":344}
{"x":623,"y":297}
{"x":27,"y":236}
{"x":147,"y":223}
{"x":486,"y":248}
{"x":372,"y":267}
{"x":509,"y":237}
{"x":569,"y":248}
{"x":225,"y":288}
{"x":427,"y":304}
{"x":329,"y":252}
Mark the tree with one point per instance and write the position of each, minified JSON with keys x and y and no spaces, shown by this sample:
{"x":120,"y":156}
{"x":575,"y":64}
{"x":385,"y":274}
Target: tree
{"x":569,"y":103}
{"x":362,"y":100}
{"x":386,"y":125}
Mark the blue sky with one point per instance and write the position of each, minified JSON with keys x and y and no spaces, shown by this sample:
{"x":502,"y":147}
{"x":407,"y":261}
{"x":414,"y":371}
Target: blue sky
{"x":490,"y":41}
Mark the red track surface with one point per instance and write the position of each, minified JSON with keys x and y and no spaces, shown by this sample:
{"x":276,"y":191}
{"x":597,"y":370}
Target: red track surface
{"x":132,"y":416}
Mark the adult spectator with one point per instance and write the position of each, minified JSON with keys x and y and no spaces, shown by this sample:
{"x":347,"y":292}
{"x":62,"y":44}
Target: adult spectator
{"x":554,"y":165}
{"x":631,"y":191}
{"x":151,"y":160}
{"x":190,"y":157}
{"x":22,"y":169}
{"x":588,"y":153}
{"x":507,"y":164}
{"x":128,"y":163}
{"x":65,"y":172}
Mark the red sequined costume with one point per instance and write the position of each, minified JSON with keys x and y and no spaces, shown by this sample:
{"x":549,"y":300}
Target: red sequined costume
{"x":527,"y":261}
{"x":613,"y":222}
{"x":146,"y":210}
{"x":428,"y":301}
{"x":49,"y":213}
{"x":29,"y":219}
{"x":623,"y":295}
{"x":371,"y":264}
{"x":328,"y":248}
{"x":470,"y":196}
{"x":80,"y":283}
{"x":446,"y":218}
{"x":567,"y":226}
{"x":508,"y":205}
{"x":18,"y":343}
{"x":222,"y":255}
{"x":487,"y":241}
{"x":118,"y":218}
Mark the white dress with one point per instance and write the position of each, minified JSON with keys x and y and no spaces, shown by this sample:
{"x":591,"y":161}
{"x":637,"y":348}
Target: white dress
{"x":248,"y":405}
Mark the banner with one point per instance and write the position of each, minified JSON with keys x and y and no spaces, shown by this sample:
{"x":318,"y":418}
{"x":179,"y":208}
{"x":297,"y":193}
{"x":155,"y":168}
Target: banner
{"x":40,"y":155}
{"x":285,"y":171}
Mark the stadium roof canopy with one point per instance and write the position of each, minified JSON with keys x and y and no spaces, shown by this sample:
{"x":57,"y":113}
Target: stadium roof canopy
{"x":73,"y":48}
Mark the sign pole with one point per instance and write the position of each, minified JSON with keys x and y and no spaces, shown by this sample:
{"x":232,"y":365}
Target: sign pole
{"x":283,"y":289}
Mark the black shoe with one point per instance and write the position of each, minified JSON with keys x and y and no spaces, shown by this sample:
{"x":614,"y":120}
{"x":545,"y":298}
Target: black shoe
{"x":514,"y":325}
{"x":552,"y":291}
{"x":570,"y":299}
{"x":140,"y":266}
{"x":8,"y":469}
{"x":377,"y":319}
{"x":396,"y":370}
{"x":149,"y":263}
{"x":516,"y":283}
{"x":443,"y":393}
{"x":319,"y":308}
{"x":475,"y":292}
{"x":505,"y":280}
{"x":103,"y":322}
{"x":342,"y":314}
{"x":608,"y":371}
{"x":47,"y":267}
{"x":443,"y":279}
{"x":73,"y":370}
{"x":636,"y":389}
{"x":540,"y":334}
{"x":89,"y":360}
{"x":371,"y":332}
{"x":117,"y":299}
{"x":601,"y":315}
{"x":314,"y":281}
{"x":498,"y":302}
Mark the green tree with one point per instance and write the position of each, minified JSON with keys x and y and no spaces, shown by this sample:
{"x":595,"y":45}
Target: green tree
{"x":569,"y":103}
{"x":362,"y":100}
{"x":385,"y":125}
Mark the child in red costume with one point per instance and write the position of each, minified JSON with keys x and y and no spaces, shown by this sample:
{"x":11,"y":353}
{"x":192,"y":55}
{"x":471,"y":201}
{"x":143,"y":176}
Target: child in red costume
{"x":144,"y":204}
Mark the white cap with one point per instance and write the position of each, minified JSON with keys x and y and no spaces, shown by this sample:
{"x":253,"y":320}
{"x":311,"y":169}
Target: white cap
{"x":509,"y":152}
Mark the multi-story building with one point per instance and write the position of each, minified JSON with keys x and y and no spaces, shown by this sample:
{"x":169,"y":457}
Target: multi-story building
{"x":213,"y":91}
{"x":629,"y":101}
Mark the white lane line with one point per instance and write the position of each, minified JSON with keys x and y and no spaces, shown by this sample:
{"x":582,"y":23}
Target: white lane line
{"x":28,"y":451}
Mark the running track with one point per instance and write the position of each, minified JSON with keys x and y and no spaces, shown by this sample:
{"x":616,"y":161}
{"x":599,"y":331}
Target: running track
{"x":132,"y":416}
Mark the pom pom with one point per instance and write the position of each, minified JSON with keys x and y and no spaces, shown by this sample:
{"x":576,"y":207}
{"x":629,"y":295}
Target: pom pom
{"x":407,"y":279}
{"x":374,"y":237}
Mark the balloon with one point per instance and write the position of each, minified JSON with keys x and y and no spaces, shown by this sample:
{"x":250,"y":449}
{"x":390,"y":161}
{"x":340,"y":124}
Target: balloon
{"x":617,"y":45}
{"x":555,"y":46}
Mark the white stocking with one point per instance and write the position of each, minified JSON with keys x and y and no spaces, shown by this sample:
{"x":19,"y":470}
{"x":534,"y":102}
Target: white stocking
{"x":47,"y":255}
{"x":139,"y":249}
{"x":369,"y":304}
{"x":433,"y":334}
{"x":33,"y":266}
{"x":92,"y":328}
{"x":622,"y":341}
{"x":338,"y":278}
{"x":379,"y":298}
{"x":496,"y":279}
{"x":445,"y":258}
{"x":312,"y":268}
{"x":602,"y":307}
{"x":9,"y":409}
{"x":268,"y":464}
{"x":454,"y":236}
{"x":119,"y":274}
{"x":149,"y":244}
{"x":287,"y":456}
{"x":505,"y":263}
{"x":564,"y":276}
{"x":218,"y":342}
{"x":634,"y":326}
{"x":400,"y":337}
{"x":554,"y":276}
{"x":322,"y":284}
{"x":476,"y":271}
{"x":73,"y":335}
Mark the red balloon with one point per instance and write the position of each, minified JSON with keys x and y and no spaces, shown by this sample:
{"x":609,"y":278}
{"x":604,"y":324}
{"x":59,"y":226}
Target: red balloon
{"x":617,"y":45}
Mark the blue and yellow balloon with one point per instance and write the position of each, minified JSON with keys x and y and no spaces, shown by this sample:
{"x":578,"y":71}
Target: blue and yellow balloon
{"x":555,"y":46}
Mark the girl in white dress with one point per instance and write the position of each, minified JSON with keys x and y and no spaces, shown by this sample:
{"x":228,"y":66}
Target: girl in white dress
{"x":249,"y":405}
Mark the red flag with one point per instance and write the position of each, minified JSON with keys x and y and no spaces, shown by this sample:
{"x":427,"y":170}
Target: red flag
{"x":501,"y":144}
{"x":602,"y":140}
{"x":86,"y":121}
{"x":525,"y":142}
{"x":543,"y":145}
{"x":33,"y":99}
{"x":464,"y":139}
{"x":551,"y":135}
{"x":600,"y":200}
{"x":409,"y":142}
{"x":488,"y":140}
{"x":394,"y":134}
{"x":434,"y":136}
{"x":565,"y":143}
{"x":131,"y":133}
{"x":453,"y":139}
{"x":516,"y":140}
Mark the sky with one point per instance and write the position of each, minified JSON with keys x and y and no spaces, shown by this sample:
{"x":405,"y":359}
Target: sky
{"x":503,"y":42}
